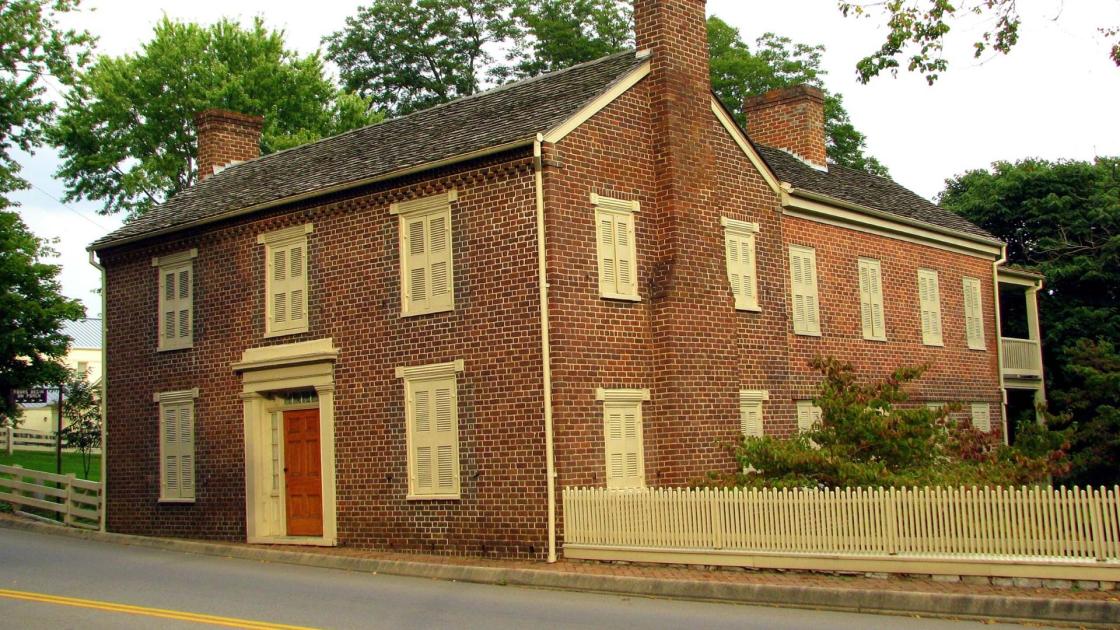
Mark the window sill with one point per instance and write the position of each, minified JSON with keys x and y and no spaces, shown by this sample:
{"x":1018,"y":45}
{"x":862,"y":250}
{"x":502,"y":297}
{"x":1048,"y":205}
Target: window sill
{"x":940,"y":344}
{"x":285,"y":333}
{"x":978,"y":349}
{"x":448,"y":309}
{"x":807,"y":334}
{"x":620,"y":298}
{"x":749,"y":309}
{"x":174,"y":501}
{"x":174,"y":348}
{"x":876,"y":339}
{"x":433,"y":497}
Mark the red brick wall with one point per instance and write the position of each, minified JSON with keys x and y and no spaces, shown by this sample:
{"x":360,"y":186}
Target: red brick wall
{"x":225,"y":137}
{"x":355,"y":300}
{"x":956,"y":373}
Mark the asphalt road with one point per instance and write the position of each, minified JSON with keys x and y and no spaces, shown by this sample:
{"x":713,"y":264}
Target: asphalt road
{"x":54,"y":582}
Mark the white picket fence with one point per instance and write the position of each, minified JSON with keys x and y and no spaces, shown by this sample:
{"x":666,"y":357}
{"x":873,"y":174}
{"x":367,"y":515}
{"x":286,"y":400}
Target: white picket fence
{"x":77,"y":502}
{"x":713,"y":526}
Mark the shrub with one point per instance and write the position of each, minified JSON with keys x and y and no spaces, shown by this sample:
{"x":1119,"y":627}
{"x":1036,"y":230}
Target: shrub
{"x":869,"y":436}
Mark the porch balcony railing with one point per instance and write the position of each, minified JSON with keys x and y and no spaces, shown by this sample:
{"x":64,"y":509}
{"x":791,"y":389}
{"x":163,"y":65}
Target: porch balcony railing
{"x":1021,"y":358}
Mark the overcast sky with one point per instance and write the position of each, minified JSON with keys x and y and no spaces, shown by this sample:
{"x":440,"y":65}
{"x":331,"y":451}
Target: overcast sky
{"x":1055,"y":96}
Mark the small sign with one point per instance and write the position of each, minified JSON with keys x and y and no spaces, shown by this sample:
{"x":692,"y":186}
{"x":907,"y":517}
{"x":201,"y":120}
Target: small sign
{"x":31,"y":395}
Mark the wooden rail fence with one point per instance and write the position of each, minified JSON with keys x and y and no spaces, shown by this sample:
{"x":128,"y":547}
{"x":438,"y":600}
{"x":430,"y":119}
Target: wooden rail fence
{"x":1021,"y":526}
{"x":76,"y":501}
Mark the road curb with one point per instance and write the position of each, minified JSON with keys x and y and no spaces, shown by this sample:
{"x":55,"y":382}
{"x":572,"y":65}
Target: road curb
{"x":1017,"y":609}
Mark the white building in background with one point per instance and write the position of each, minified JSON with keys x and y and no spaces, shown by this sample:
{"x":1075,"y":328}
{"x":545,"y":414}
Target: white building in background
{"x":84,"y":356}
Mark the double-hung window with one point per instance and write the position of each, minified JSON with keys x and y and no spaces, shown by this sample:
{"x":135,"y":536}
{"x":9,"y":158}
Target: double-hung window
{"x":176,"y":446}
{"x":432,"y":429}
{"x":803,"y":285}
{"x":739,"y":249}
{"x":871,"y":300}
{"x":286,"y":286}
{"x":973,"y":314}
{"x":615,"y":241}
{"x":622,"y":436}
{"x":427,"y":264}
{"x":176,"y":300}
{"x":929,"y":298}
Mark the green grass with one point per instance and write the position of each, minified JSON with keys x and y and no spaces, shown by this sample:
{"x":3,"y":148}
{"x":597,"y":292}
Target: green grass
{"x":45,"y":462}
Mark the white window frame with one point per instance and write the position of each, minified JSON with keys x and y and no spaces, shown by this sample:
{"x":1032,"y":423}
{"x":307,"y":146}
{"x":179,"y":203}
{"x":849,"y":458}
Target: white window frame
{"x":973,"y":313}
{"x":175,"y":264}
{"x":611,"y":285}
{"x":286,"y":238}
{"x":180,"y":401}
{"x":810,"y":323}
{"x":808,"y":415}
{"x":414,"y":379}
{"x":750,"y":412}
{"x":623,"y":400}
{"x":982,"y":416}
{"x":871,"y":300}
{"x":929,"y":308}
{"x":426,"y":209}
{"x":739,"y":244}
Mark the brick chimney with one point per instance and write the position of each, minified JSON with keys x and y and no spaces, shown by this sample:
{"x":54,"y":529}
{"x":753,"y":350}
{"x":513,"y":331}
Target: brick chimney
{"x":226,"y":137}
{"x":791,"y":119}
{"x":675,"y":34}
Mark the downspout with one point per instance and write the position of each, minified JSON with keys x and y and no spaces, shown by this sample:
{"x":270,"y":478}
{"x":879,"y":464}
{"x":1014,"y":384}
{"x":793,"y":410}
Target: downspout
{"x":999,"y":340}
{"x":104,"y":389}
{"x":546,"y":349}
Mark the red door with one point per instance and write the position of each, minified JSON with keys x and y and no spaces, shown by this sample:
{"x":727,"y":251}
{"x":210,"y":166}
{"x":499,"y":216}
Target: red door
{"x":303,"y":473}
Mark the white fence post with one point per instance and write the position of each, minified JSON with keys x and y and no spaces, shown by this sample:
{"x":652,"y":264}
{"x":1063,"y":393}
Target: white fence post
{"x":67,"y":517}
{"x":8,"y":435}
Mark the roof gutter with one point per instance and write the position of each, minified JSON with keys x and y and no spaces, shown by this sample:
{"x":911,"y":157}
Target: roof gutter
{"x":319,"y":192}
{"x":847,"y":205}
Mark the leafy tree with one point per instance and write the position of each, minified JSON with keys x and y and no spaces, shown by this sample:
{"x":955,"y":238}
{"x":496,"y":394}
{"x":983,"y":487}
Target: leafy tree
{"x":1063,"y":218}
{"x":776,"y":62}
{"x":556,"y":34}
{"x":408,"y":55}
{"x":918,"y":28}
{"x":869,"y":437}
{"x":126,"y":134}
{"x":34,"y":50}
{"x":32,"y":310}
{"x":82,"y":411}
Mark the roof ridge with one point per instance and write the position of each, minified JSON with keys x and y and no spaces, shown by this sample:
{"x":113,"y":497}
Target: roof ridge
{"x":397,"y":120}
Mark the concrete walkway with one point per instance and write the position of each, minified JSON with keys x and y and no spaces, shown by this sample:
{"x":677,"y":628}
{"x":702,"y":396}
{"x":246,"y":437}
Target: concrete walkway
{"x":909,"y":596}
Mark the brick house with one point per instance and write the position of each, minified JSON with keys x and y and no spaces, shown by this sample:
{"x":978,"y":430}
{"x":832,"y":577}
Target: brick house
{"x":409,"y":336}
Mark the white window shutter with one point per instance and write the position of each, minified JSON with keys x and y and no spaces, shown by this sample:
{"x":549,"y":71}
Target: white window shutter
{"x":740,"y":254}
{"x":427,"y":261}
{"x":439,"y":259}
{"x":929,"y":298}
{"x":616,"y":248}
{"x":626,"y":255}
{"x":623,"y":439}
{"x":176,"y":306}
{"x":177,"y":462}
{"x":750,"y":419}
{"x":871,"y":299}
{"x":974,"y":314}
{"x":808,"y":415}
{"x":803,"y":284}
{"x":982,"y":417}
{"x":434,"y":437}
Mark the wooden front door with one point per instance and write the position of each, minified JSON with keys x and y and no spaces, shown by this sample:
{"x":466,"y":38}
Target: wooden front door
{"x":303,"y":475}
